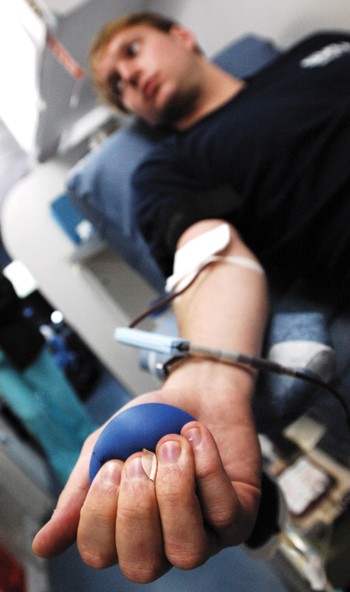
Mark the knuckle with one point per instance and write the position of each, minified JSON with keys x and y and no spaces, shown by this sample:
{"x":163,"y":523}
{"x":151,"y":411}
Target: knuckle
{"x":95,"y":559}
{"x":92,"y":509}
{"x":220,"y":518}
{"x":220,"y":513}
{"x":185,"y":557}
{"x":173,"y":489}
{"x":141,"y":573}
{"x":172,"y":499}
{"x":131,"y":513}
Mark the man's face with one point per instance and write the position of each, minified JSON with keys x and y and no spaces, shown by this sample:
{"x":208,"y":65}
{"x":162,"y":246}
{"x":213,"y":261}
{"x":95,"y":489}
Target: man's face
{"x":152,"y":73}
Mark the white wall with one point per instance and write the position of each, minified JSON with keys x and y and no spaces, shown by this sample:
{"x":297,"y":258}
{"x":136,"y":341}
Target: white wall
{"x":217,"y":22}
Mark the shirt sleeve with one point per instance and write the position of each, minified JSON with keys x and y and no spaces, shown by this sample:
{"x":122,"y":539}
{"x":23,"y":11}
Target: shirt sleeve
{"x":169,"y":198}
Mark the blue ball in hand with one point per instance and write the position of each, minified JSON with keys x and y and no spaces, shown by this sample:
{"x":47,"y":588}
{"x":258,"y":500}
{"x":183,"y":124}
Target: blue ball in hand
{"x":134,"y":429}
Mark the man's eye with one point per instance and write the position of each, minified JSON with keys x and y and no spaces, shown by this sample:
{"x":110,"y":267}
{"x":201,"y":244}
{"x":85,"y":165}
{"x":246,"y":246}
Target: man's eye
{"x":133,"y":48}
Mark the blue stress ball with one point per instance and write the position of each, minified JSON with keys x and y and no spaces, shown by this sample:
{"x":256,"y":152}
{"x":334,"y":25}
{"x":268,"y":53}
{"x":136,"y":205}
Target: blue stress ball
{"x":134,"y":429}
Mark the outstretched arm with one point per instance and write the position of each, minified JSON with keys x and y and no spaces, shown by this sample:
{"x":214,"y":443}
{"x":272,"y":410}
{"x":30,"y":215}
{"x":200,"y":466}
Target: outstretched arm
{"x":206,"y":492}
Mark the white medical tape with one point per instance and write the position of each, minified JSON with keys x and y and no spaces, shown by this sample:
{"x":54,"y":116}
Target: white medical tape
{"x":199,"y":252}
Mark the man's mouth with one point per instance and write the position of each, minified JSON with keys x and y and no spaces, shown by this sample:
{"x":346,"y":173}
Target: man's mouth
{"x":150,"y":87}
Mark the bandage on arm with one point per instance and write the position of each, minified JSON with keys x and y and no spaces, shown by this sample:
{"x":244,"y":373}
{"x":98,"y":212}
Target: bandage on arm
{"x":198,"y":252}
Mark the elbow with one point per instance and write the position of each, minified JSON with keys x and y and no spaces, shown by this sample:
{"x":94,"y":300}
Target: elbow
{"x":236,"y":245}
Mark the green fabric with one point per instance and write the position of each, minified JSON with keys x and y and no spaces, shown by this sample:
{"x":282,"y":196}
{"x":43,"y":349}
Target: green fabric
{"x":43,"y":400}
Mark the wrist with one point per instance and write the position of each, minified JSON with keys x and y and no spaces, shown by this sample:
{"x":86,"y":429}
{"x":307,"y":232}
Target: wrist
{"x":204,"y":384}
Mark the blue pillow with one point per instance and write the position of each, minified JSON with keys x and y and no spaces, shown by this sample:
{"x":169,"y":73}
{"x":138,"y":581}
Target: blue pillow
{"x":99,"y":185}
{"x":246,"y":56}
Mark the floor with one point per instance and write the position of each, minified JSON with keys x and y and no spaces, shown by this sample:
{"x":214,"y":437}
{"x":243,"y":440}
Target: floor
{"x":230,"y":571}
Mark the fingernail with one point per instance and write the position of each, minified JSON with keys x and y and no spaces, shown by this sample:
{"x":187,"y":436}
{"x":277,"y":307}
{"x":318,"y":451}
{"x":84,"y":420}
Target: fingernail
{"x":194,"y":436}
{"x":110,"y":474}
{"x":149,"y":463}
{"x":169,"y":452}
{"x":135,"y":470}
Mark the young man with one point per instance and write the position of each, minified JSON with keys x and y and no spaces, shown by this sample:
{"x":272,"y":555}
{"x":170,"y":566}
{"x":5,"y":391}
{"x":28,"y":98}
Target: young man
{"x":206,"y":492}
{"x":279,"y":140}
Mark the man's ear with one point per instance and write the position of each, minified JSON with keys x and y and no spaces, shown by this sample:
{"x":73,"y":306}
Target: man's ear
{"x":185,"y":36}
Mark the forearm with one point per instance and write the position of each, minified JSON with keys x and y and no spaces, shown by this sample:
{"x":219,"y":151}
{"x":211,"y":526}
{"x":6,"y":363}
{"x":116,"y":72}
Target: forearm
{"x":226,"y":308}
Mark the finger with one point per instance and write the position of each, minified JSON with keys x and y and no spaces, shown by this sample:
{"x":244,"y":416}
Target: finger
{"x":60,"y":532}
{"x":186,"y":541}
{"x":139,"y":534}
{"x":96,"y":531}
{"x":227,"y":506}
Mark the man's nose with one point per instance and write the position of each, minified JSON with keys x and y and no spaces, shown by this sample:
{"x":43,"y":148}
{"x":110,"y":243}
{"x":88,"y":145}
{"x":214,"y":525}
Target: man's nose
{"x":129,"y":74}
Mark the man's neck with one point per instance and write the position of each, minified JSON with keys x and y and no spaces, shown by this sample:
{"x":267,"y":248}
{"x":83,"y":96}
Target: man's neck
{"x":218,"y":88}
